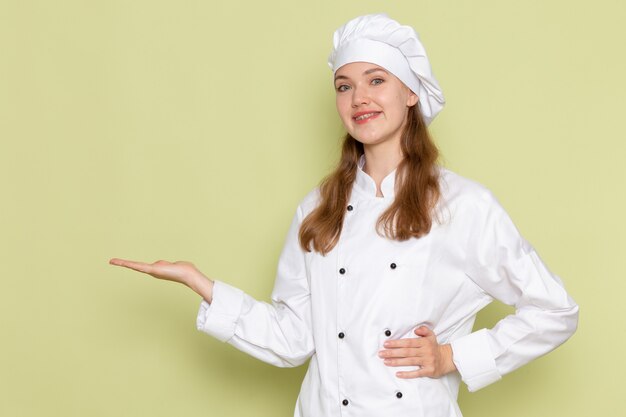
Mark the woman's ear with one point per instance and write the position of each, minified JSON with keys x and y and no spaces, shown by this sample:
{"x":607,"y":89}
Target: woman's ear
{"x":411,"y":99}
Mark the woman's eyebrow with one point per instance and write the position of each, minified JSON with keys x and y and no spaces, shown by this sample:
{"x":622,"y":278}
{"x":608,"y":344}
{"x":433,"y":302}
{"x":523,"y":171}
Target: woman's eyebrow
{"x":366,"y":72}
{"x":371,"y":70}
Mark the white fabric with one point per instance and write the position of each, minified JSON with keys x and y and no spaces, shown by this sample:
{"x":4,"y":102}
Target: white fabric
{"x":441,"y":280}
{"x":382,"y":41}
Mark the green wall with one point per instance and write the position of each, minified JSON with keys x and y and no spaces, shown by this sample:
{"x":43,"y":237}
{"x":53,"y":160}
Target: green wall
{"x":189,"y":130}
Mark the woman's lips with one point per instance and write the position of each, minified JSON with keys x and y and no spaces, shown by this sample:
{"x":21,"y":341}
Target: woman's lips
{"x":361,"y":118}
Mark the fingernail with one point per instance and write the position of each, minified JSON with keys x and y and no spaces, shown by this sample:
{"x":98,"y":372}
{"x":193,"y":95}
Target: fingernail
{"x":387,"y":344}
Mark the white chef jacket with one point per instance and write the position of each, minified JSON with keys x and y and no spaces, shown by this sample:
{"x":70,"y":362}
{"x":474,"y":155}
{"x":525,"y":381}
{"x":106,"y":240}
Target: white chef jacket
{"x":339,"y":309}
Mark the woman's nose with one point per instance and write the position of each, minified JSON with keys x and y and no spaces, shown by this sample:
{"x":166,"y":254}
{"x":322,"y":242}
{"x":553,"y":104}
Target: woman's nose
{"x":359,"y":96}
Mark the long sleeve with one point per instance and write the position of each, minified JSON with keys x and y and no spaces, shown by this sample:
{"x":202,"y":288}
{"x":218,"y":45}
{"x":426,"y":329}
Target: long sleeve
{"x":506,"y":267}
{"x":278,"y":333}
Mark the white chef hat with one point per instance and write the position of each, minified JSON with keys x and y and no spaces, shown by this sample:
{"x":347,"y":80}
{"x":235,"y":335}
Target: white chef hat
{"x":378,"y":39}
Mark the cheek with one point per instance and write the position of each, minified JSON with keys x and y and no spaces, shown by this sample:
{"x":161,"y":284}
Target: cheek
{"x":400,"y":106}
{"x":343,"y":107}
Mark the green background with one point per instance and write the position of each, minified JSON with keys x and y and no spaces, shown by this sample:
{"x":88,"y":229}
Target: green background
{"x":190,"y":130}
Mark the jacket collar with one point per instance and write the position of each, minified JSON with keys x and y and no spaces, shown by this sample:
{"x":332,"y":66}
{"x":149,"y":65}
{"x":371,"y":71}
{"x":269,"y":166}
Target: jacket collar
{"x":366,"y":185}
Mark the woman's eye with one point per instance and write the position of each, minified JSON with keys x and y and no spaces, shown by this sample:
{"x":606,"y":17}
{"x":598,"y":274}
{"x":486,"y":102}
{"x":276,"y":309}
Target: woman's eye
{"x":342,"y":88}
{"x":377,"y":81}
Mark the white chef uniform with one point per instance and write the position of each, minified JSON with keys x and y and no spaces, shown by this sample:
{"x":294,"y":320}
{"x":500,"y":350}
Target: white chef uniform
{"x":339,"y":309}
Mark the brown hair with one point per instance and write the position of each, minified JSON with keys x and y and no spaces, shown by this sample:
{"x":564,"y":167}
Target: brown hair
{"x":417,"y":191}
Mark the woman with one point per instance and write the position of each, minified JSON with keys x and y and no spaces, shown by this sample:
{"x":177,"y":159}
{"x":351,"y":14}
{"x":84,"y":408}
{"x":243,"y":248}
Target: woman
{"x":387,"y":262}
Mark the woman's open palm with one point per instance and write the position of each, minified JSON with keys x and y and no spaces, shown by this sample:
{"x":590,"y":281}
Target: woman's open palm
{"x":179,"y":271}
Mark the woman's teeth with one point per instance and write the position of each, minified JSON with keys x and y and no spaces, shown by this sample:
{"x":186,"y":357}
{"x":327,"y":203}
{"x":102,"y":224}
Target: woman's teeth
{"x":365,"y":116}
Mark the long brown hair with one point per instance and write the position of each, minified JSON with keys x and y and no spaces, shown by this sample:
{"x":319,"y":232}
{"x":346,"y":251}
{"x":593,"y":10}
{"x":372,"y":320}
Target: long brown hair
{"x":417,"y":191}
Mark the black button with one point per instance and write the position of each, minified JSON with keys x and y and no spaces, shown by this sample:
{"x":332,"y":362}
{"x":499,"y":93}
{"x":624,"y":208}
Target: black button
{"x":350,"y":208}
{"x":342,"y":271}
{"x":393,"y":265}
{"x":387,"y":332}
{"x":341,"y":335}
{"x":344,"y":402}
{"x":399,"y":394}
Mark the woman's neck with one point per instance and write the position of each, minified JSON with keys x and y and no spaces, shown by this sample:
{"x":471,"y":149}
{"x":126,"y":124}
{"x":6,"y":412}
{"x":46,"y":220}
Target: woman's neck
{"x":380,"y":160}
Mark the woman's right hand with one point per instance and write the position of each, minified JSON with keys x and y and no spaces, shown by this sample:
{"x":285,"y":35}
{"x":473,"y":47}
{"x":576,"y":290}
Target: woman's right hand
{"x":180,"y":271}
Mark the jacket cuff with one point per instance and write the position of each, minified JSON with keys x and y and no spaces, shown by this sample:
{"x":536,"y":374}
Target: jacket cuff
{"x":219,"y":318}
{"x":474,"y":360}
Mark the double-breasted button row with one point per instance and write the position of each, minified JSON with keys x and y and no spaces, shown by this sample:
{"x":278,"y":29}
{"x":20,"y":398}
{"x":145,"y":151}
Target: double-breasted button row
{"x":341,"y":335}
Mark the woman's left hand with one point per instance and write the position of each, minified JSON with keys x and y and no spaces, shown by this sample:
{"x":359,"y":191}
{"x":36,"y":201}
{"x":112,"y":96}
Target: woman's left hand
{"x":434,"y":360}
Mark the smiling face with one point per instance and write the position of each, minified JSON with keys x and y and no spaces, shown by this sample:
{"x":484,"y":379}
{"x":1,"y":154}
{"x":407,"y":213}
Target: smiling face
{"x":372,"y":103}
